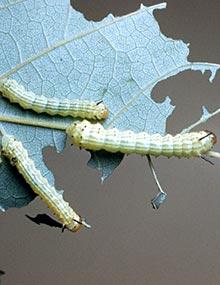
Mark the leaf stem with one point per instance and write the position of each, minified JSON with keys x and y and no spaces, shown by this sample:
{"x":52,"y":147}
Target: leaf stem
{"x":31,"y":122}
{"x":154,"y":173}
{"x":203,"y":119}
{"x":213,"y":154}
{"x":161,"y":196}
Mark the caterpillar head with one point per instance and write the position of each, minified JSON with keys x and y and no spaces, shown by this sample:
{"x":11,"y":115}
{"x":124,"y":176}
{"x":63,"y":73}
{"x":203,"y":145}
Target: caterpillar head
{"x":207,"y":140}
{"x":210,"y":136}
{"x":74,"y":226}
{"x":77,"y":224}
{"x":213,"y":137}
{"x":101,"y":111}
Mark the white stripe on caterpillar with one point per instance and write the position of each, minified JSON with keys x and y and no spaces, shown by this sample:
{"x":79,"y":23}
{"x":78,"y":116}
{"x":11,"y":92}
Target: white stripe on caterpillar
{"x":94,"y":137}
{"x":16,"y":93}
{"x":18,"y":156}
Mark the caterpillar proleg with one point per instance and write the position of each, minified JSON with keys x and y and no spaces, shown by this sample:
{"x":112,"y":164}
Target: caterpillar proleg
{"x":94,"y":137}
{"x":16,"y":93}
{"x":18,"y":156}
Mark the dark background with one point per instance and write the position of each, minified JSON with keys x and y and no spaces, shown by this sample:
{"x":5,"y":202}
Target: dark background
{"x":130,"y":243}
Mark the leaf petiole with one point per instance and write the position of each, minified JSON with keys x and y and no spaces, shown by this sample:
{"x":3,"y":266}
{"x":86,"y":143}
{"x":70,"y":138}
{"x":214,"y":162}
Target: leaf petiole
{"x":202,"y":120}
{"x":36,"y":123}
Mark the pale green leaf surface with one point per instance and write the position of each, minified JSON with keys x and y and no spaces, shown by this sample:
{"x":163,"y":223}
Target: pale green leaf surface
{"x":53,"y":50}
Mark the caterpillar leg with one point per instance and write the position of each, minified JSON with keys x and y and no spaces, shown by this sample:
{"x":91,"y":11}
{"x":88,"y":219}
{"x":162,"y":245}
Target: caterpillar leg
{"x":161,"y":196}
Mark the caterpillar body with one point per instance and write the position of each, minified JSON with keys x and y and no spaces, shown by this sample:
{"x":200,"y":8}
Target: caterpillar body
{"x":16,"y":93}
{"x":18,"y":156}
{"x":94,"y":137}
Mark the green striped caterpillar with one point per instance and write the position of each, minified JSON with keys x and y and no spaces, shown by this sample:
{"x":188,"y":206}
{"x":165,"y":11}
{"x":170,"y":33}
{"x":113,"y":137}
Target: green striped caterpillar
{"x":18,"y":156}
{"x":94,"y":137}
{"x":16,"y":93}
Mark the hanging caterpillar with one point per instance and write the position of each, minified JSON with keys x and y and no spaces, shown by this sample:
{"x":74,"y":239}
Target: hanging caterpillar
{"x":16,"y":93}
{"x":94,"y":137}
{"x":18,"y":156}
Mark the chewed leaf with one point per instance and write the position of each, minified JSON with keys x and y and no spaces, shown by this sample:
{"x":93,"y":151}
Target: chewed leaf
{"x":205,"y":116}
{"x":205,"y":112}
{"x":105,"y":162}
{"x":53,"y":50}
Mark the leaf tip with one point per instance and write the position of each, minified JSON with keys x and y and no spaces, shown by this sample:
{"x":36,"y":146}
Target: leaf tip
{"x":213,"y":70}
